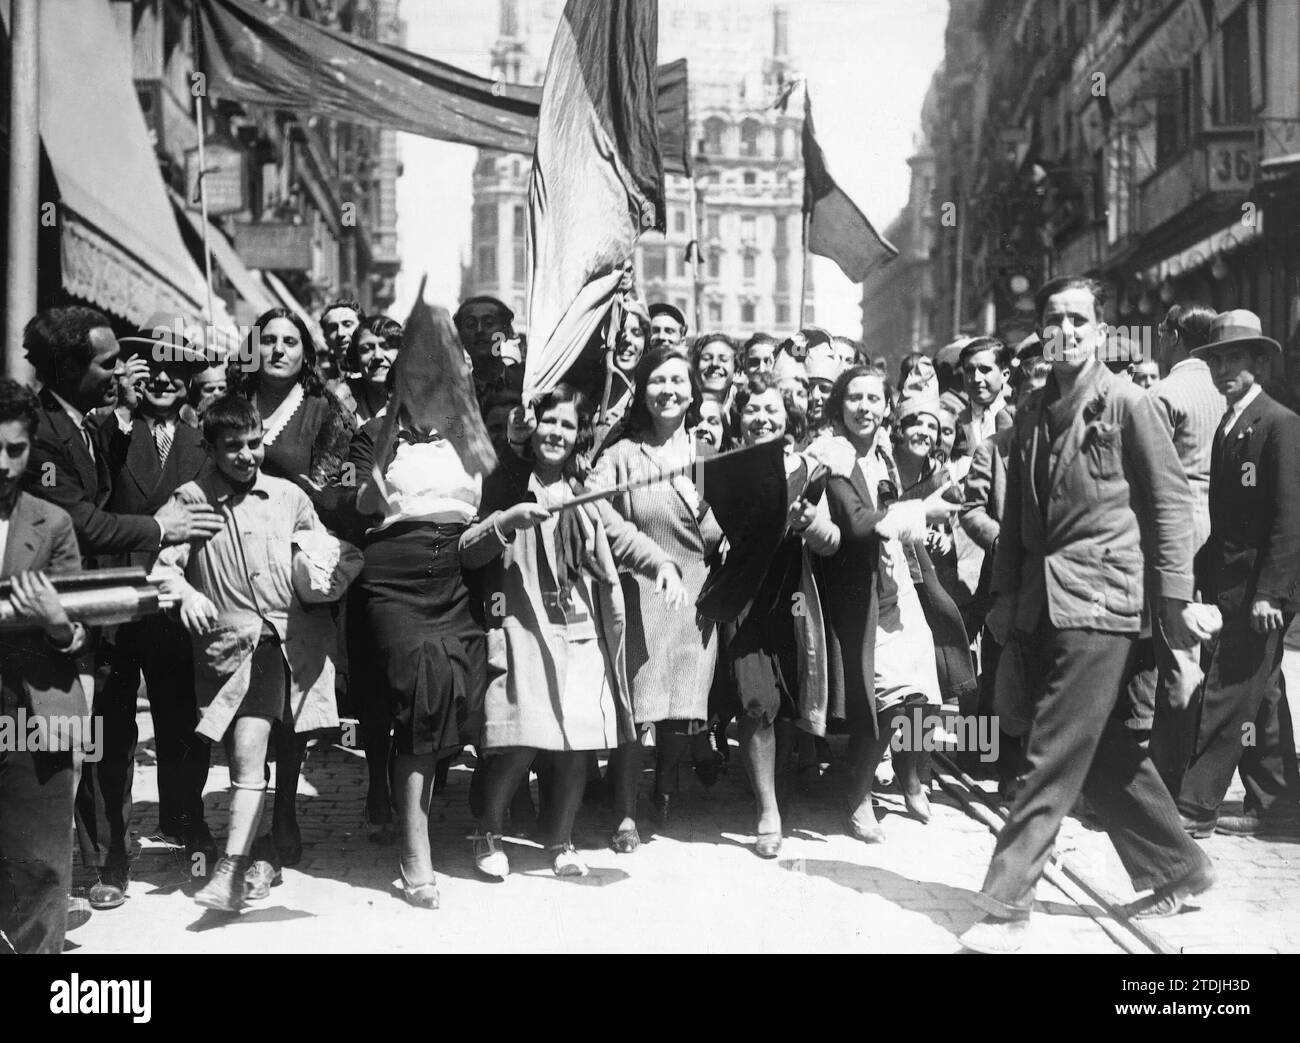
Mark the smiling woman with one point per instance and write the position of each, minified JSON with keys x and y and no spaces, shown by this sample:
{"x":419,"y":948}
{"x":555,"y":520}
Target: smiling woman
{"x":670,"y":654}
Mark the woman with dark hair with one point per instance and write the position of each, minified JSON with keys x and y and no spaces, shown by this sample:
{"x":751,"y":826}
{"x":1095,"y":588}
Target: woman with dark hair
{"x":306,"y":432}
{"x":630,"y":340}
{"x":557,"y":686}
{"x":879,"y":636}
{"x":307,"y":428}
{"x":778,"y":657}
{"x":371,"y":352}
{"x":670,"y":654}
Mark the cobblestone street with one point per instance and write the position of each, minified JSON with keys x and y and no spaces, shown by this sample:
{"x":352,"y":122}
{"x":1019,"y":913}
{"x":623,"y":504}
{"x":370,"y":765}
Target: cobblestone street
{"x":696,"y":887}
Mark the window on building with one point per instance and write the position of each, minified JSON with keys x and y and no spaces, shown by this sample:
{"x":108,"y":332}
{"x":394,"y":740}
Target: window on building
{"x":782,"y":241}
{"x":521,"y":263}
{"x":778,"y":143}
{"x":750,"y":267}
{"x":680,"y":304}
{"x":1234,"y":94}
{"x":749,"y":138}
{"x":750,"y":178}
{"x":782,"y":276}
{"x":782,"y":313}
{"x":654,"y":262}
{"x":485,"y":221}
{"x":679,"y":220}
{"x":521,"y":222}
{"x":715,"y":264}
{"x":715,"y":313}
{"x":748,"y":229}
{"x":713,"y":226}
{"x":485,"y":262}
{"x":747,"y":312}
{"x":680,"y":256}
{"x":1172,"y":107}
{"x":714,"y":129}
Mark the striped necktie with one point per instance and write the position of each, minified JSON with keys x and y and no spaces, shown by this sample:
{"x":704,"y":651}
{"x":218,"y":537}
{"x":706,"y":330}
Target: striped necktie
{"x":162,"y":439}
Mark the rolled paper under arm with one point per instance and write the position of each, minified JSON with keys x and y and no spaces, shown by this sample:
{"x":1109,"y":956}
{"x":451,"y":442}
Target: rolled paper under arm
{"x":99,"y":597}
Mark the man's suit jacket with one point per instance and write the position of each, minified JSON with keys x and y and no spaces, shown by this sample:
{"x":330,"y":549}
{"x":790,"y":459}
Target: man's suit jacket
{"x":41,"y":538}
{"x":1117,"y":492}
{"x":967,"y":442}
{"x":62,"y":471}
{"x":139,"y":485}
{"x":984,"y":500}
{"x":1191,"y":408}
{"x":1254,"y":545}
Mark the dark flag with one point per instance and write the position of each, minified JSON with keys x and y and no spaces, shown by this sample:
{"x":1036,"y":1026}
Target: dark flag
{"x":749,"y":495}
{"x":836,"y":227}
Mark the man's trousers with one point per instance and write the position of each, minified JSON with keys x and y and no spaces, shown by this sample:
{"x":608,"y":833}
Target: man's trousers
{"x":1078,"y":743}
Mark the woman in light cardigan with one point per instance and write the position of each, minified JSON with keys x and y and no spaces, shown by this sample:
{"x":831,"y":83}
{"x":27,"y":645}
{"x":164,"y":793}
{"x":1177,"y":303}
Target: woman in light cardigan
{"x":557,"y":681}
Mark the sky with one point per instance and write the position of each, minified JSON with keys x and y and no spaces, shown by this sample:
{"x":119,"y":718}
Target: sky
{"x":868,"y":63}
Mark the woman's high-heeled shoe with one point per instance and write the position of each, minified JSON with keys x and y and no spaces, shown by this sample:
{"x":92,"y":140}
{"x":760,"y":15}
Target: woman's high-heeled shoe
{"x":422,"y":896}
{"x":625,"y":841}
{"x":768,"y":845}
{"x":864,"y":825}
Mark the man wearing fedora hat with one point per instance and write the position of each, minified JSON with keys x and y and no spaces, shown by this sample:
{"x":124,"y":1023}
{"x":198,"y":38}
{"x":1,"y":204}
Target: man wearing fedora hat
{"x":1252,"y":574}
{"x":151,"y":452}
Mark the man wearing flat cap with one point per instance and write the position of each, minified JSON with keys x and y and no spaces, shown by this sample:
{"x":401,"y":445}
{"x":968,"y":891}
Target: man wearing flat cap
{"x":667,"y":325}
{"x":151,"y":452}
{"x":1252,"y":574}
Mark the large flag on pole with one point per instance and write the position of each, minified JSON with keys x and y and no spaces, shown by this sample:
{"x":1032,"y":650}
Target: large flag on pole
{"x":836,"y":228}
{"x":597,"y":178}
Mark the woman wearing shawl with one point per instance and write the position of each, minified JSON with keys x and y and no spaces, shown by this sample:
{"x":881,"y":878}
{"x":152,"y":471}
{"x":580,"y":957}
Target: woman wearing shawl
{"x":557,"y":683}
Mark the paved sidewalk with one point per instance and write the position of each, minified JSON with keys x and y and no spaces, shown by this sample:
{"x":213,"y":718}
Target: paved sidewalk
{"x":696,"y":887}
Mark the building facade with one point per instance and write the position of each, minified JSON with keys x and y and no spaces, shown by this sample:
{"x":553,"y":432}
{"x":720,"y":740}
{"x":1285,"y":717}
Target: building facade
{"x":318,"y":195}
{"x":1151,"y":143}
{"x":743,"y":205}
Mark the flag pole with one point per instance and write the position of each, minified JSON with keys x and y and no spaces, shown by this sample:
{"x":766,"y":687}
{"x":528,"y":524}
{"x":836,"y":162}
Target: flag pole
{"x":24,"y":182}
{"x":666,"y":474}
{"x":203,"y":172}
{"x":803,"y":281}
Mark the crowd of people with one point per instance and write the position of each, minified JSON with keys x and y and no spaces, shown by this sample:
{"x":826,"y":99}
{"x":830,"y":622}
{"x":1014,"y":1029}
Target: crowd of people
{"x":1096,"y":551}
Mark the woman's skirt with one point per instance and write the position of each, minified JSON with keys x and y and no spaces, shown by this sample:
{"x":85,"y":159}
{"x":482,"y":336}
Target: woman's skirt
{"x":424,"y":654}
{"x":904,"y":660}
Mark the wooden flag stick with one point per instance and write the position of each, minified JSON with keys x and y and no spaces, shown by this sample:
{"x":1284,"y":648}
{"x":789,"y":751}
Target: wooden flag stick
{"x":663,"y":476}
{"x":803,"y":282}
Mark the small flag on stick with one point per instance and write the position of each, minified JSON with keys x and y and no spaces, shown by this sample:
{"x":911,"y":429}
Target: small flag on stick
{"x":834,"y":225}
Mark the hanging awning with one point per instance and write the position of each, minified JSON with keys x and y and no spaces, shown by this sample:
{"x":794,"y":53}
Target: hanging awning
{"x":119,"y":242}
{"x":254,"y":54}
{"x":254,"y":297}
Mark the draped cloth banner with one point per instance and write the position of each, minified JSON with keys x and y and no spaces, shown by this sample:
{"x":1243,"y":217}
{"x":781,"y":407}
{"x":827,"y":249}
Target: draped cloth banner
{"x":597,"y":179}
{"x":256,"y":55}
{"x":836,"y":227}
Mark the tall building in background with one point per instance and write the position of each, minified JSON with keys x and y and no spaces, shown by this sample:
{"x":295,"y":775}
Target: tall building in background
{"x":744,"y":204}
{"x":1149,"y":144}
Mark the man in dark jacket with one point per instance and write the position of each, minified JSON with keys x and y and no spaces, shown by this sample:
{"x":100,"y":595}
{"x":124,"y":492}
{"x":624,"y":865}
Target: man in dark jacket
{"x":1093,"y":483}
{"x":74,"y":352}
{"x":151,"y":453}
{"x":1252,"y":573}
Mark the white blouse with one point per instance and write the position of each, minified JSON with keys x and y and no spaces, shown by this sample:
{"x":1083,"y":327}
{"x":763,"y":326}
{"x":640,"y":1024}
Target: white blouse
{"x":426,"y":481}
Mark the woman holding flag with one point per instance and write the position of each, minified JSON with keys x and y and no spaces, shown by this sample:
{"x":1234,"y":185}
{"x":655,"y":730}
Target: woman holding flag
{"x":420,"y":470}
{"x":878,"y":628}
{"x":670,"y":653}
{"x":557,"y":684}
{"x":778,"y":647}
